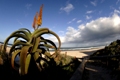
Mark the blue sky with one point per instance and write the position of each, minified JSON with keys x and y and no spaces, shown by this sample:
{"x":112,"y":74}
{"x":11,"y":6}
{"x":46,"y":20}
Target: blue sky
{"x":79,"y":23}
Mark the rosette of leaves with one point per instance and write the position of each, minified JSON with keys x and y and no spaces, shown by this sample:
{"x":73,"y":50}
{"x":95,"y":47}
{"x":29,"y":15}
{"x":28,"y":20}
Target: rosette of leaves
{"x":29,"y":44}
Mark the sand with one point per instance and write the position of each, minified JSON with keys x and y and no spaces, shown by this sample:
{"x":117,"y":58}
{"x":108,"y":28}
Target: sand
{"x":80,"y":53}
{"x":75,"y":53}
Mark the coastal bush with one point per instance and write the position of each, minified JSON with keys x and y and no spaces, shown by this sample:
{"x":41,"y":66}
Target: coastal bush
{"x":110,"y":50}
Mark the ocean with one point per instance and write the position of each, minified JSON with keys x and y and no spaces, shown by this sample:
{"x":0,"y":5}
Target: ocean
{"x":70,"y":48}
{"x":64,"y":49}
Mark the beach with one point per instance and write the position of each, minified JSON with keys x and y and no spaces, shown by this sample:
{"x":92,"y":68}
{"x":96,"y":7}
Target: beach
{"x":79,"y":53}
{"x":73,"y":53}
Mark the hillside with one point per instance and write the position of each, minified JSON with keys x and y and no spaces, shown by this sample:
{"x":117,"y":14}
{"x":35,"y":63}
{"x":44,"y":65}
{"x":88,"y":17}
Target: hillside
{"x":112,"y":49}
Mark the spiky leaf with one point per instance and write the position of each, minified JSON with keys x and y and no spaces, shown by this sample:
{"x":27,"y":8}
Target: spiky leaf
{"x":23,"y":55}
{"x":27,"y":63}
{"x":14,"y":54}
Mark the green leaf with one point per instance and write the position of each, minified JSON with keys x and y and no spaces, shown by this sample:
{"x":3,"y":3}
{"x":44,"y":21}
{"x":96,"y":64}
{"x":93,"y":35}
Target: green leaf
{"x":39,"y":30}
{"x":36,"y":55}
{"x":35,"y":44}
{"x":11,"y":36}
{"x":39,"y":50}
{"x":49,"y":32}
{"x":48,"y":41}
{"x":25,"y":29}
{"x":47,"y":54}
{"x":14,"y":54}
{"x":27,"y":63}
{"x":20,"y":31}
{"x":18,"y":43}
{"x":49,"y":46}
{"x":23,"y":55}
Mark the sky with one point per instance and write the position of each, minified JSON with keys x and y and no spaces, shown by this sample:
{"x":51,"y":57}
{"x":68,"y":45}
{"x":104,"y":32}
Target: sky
{"x":79,"y":23}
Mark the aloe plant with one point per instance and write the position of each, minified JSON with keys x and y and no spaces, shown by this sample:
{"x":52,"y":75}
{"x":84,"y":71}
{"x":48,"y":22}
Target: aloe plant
{"x":27,"y":44}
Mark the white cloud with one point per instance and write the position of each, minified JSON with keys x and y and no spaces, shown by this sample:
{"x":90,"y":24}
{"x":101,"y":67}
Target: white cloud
{"x":72,"y":20}
{"x":62,"y":33}
{"x":28,"y":6}
{"x":88,"y":12}
{"x":94,"y":3}
{"x":111,"y":7}
{"x":79,"y":21}
{"x":69,"y":7}
{"x":97,"y":32}
{"x":88,"y":17}
{"x":117,"y":11}
{"x":71,"y":34}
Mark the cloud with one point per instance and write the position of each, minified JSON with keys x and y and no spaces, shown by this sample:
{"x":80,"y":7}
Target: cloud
{"x":88,"y":17}
{"x":79,"y":21}
{"x":69,"y":7}
{"x":116,"y":11}
{"x":117,"y":1}
{"x":62,"y":33}
{"x":88,"y":12}
{"x":72,"y":20}
{"x":99,"y":32}
{"x":28,"y":6}
{"x":94,"y":3}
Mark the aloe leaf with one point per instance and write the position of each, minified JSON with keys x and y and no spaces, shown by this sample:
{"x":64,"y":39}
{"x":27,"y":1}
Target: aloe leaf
{"x":47,"y":45}
{"x":23,"y":55}
{"x":50,"y":42}
{"x":42,"y":32}
{"x":45,"y":42}
{"x":26,"y":30}
{"x":27,"y":63}
{"x":49,"y":32}
{"x":36,"y":55}
{"x":59,"y":41}
{"x":39,"y":50}
{"x":35,"y":44}
{"x":14,"y":54}
{"x":18,"y":43}
{"x":11,"y":36}
{"x":39,"y":30}
{"x":47,"y":54}
{"x":28,"y":35}
{"x":20,"y":31}
{"x":16,"y":38}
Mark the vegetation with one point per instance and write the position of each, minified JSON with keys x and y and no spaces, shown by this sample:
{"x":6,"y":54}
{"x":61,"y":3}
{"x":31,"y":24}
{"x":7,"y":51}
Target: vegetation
{"x":111,"y":50}
{"x":113,"y":62}
{"x":34,"y":53}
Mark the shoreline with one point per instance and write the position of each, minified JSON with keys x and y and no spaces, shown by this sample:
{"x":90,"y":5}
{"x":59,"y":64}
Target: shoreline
{"x":74,"y":53}
{"x":79,"y":53}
